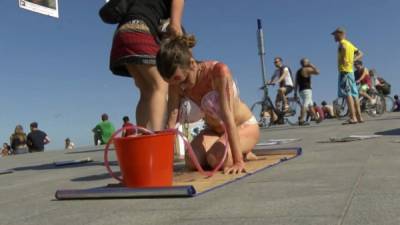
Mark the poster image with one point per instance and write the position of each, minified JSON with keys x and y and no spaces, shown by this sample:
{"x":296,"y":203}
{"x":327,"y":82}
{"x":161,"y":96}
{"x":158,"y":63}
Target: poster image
{"x":46,"y":7}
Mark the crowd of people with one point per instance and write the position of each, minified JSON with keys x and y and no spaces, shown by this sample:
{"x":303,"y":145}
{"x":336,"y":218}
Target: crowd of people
{"x":103,"y":131}
{"x":21,"y":143}
{"x":352,"y":84}
{"x":36,"y":139}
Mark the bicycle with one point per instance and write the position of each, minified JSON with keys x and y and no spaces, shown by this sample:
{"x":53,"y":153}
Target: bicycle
{"x":266,"y":105}
{"x":341,"y":108}
{"x":389,"y":102}
{"x":284,"y":115}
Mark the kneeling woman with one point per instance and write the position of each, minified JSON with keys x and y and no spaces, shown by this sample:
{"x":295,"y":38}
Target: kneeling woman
{"x":202,"y":81}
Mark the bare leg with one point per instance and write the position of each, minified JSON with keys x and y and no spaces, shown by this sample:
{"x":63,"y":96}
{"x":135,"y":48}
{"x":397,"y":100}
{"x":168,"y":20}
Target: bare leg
{"x":274,"y":117}
{"x":331,"y":112}
{"x":364,"y":94}
{"x":201,"y":144}
{"x":249,"y":136}
{"x":351,"y":104}
{"x":150,"y":111}
{"x":313,"y":113}
{"x":278,"y":101}
{"x":302,"y":114}
{"x":309,"y":111}
{"x":250,"y":156}
{"x":358,"y":110}
{"x":283,"y":98}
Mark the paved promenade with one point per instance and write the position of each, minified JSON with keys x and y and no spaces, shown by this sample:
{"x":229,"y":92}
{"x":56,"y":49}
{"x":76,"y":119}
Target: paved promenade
{"x":330,"y":184}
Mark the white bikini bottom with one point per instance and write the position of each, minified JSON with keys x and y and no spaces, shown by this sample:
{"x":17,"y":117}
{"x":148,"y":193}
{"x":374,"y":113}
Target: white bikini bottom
{"x":251,"y":121}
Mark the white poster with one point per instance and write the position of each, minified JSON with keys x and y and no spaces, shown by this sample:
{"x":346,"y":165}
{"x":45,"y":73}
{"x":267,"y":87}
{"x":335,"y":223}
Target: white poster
{"x":46,"y":7}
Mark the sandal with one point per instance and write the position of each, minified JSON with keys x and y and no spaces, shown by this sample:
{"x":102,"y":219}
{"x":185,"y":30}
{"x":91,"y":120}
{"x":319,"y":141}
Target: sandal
{"x":303,"y":123}
{"x":349,"y":122}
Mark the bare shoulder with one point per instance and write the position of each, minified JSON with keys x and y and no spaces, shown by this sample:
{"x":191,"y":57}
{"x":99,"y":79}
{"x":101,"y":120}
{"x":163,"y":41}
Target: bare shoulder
{"x":305,"y":72}
{"x":221,"y":70}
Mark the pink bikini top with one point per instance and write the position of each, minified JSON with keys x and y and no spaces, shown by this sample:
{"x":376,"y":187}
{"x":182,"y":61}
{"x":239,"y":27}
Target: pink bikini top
{"x":203,"y":92}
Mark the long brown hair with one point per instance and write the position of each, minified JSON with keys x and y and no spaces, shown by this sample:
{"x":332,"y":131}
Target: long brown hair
{"x":19,"y":133}
{"x":174,"y":52}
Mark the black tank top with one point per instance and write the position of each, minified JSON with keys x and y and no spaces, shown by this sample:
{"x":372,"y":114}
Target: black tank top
{"x":304,"y":83}
{"x":150,"y":11}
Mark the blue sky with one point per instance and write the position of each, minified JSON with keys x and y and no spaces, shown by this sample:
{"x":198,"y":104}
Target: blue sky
{"x":55,"y":71}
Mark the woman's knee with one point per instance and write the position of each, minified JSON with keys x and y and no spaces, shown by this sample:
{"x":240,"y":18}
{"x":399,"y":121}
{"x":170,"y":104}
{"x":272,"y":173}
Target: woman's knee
{"x":214,"y":159}
{"x":216,"y":154}
{"x":199,"y":152}
{"x":189,"y":163}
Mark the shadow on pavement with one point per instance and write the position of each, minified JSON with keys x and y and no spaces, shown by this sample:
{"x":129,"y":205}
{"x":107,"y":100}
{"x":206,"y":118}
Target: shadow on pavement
{"x":95,"y":177}
{"x":50,"y":166}
{"x":179,"y":167}
{"x":393,"y":132}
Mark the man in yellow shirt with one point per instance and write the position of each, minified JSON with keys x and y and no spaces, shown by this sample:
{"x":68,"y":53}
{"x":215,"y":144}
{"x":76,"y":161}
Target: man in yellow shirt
{"x":347,"y":87}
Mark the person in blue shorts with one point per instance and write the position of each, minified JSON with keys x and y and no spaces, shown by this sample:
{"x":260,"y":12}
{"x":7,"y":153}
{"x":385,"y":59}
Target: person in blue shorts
{"x":347,"y":87}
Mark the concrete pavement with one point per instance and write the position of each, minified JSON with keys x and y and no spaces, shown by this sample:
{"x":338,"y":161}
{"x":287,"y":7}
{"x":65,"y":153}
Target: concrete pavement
{"x":330,"y":184}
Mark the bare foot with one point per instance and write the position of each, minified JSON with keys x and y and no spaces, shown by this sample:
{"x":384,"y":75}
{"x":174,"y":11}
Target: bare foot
{"x":250,"y":156}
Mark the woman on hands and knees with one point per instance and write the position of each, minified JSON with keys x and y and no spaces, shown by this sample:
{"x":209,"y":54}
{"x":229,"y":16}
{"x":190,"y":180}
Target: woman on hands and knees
{"x":210,"y":85}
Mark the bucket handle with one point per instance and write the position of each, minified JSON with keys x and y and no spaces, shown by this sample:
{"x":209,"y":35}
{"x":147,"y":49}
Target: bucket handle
{"x":106,"y":162}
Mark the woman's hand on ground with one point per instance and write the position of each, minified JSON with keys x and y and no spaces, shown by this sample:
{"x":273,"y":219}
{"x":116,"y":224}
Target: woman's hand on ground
{"x":238,"y":167}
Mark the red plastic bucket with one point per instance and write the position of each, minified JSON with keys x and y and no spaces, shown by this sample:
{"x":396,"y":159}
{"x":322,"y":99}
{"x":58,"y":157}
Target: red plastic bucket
{"x":146,"y":160}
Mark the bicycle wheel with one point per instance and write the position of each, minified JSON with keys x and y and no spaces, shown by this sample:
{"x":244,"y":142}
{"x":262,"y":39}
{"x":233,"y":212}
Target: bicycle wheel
{"x":340,"y":107}
{"x":380,"y":105}
{"x":389,"y":104}
{"x":257,"y":110}
{"x":292,"y":116}
{"x":378,"y":108}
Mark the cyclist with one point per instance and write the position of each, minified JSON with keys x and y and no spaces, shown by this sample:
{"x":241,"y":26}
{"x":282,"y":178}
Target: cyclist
{"x":283,"y":76}
{"x":364,"y":80}
{"x":380,"y":84}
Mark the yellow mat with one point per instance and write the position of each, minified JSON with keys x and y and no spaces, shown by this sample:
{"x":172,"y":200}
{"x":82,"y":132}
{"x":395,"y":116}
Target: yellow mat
{"x":267,"y":158}
{"x":186,"y":183}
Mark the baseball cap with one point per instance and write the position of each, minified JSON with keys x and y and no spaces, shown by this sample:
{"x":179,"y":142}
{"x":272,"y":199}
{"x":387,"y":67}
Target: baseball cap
{"x":339,"y":30}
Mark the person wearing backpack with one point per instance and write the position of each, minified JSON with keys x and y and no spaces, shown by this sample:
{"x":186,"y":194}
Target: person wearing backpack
{"x":282,"y":76}
{"x":135,"y":45}
{"x":383,"y":86}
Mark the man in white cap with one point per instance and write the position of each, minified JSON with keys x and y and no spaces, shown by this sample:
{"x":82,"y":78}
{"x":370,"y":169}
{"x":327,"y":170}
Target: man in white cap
{"x":347,"y":54}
